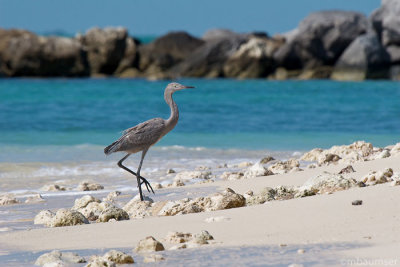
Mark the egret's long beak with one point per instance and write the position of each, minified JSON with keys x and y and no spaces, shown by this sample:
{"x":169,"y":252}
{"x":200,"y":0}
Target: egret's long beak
{"x":189,"y":86}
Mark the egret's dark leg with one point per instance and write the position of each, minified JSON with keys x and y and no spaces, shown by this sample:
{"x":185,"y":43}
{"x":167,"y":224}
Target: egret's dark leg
{"x":137,"y":175}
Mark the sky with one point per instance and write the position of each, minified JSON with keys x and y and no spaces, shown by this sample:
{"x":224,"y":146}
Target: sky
{"x":157,"y":17}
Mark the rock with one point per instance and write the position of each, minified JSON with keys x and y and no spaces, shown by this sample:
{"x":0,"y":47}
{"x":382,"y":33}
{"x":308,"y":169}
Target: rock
{"x":112,"y":196}
{"x":348,"y":169}
{"x":356,"y":202}
{"x":178,"y":183}
{"x":180,"y":246}
{"x":138,"y":209}
{"x":156,"y":185}
{"x":105,"y":48}
{"x":329,"y":158}
{"x":113,"y":213}
{"x":153,"y":258}
{"x":365,"y":58}
{"x":23,"y":53}
{"x":55,"y":256}
{"x":301,"y":251}
{"x":395,"y":150}
{"x":379,"y":177}
{"x":253,"y":59}
{"x":35,"y":199}
{"x":257,"y":170}
{"x":325,"y":183}
{"x":183,"y":206}
{"x":232,"y":175}
{"x":149,"y":244}
{"x":284,"y":193}
{"x":159,"y":56}
{"x":130,"y":58}
{"x":267,"y":194}
{"x":202,"y":168}
{"x":384,"y":154}
{"x":204,"y":235}
{"x":266,"y":159}
{"x":88,"y":186}
{"x":209,"y":59}
{"x":84,"y":201}
{"x":178,"y":237}
{"x":169,"y":171}
{"x":386,"y":22}
{"x":53,"y":188}
{"x":100,"y":262}
{"x":118,"y":257}
{"x":8,"y":199}
{"x":320,"y":39}
{"x":244,"y":164}
{"x":93,"y":210}
{"x":228,"y":199}
{"x":284,"y":166}
{"x":65,"y":217}
{"x":190,"y":175}
{"x":312,"y":155}
{"x":44,"y":217}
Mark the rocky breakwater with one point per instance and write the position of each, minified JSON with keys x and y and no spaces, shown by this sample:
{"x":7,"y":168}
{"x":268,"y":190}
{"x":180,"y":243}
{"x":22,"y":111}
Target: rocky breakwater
{"x":341,"y":45}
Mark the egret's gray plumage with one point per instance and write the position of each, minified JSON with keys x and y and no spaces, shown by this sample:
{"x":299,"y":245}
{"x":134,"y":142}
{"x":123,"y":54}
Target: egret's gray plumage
{"x":142,"y":136}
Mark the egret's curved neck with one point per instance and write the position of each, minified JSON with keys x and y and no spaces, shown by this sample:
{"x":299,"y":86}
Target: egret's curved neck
{"x":173,"y":118}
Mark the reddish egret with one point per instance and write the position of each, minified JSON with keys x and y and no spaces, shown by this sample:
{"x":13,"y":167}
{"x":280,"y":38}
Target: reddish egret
{"x":142,"y":136}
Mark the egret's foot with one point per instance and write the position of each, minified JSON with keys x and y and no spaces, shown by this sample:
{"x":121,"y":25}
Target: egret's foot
{"x":147,"y":184}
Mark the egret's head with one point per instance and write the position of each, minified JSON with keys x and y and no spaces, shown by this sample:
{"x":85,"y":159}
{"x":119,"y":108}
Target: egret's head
{"x":172,"y":87}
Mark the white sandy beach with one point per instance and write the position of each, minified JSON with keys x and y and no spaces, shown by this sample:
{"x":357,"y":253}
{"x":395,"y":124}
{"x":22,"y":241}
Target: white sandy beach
{"x":329,"y":229}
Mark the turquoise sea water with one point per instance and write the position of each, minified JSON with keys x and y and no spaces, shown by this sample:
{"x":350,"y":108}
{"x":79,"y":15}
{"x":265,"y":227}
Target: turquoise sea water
{"x":57,"y":128}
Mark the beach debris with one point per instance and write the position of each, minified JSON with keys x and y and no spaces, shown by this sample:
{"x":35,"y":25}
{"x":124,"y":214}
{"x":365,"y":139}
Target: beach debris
{"x":112,"y":196}
{"x":191,"y":175}
{"x":66,"y":217}
{"x":149,"y":244}
{"x":378,"y":177}
{"x":113,"y":212}
{"x":348,"y":169}
{"x":169,"y":171}
{"x":8,"y":199}
{"x":44,"y":217}
{"x":266,"y":159}
{"x":37,"y":198}
{"x":153,"y":258}
{"x":89,"y":186}
{"x":53,"y":188}
{"x":356,"y":202}
{"x":216,"y":219}
{"x":138,"y":209}
{"x":232,"y":175}
{"x":281,"y":167}
{"x":118,"y":257}
{"x":325,"y":183}
{"x":58,"y":258}
{"x":257,"y":170}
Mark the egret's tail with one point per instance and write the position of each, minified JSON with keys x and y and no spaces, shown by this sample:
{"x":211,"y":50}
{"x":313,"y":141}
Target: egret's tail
{"x":111,"y":148}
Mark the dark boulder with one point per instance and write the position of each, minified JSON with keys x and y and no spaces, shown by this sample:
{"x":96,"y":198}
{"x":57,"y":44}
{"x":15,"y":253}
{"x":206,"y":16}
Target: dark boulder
{"x":130,"y":58}
{"x":320,"y":39}
{"x":159,"y":56}
{"x":105,"y":49}
{"x":23,"y":53}
{"x":209,"y":59}
{"x":365,"y":58}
